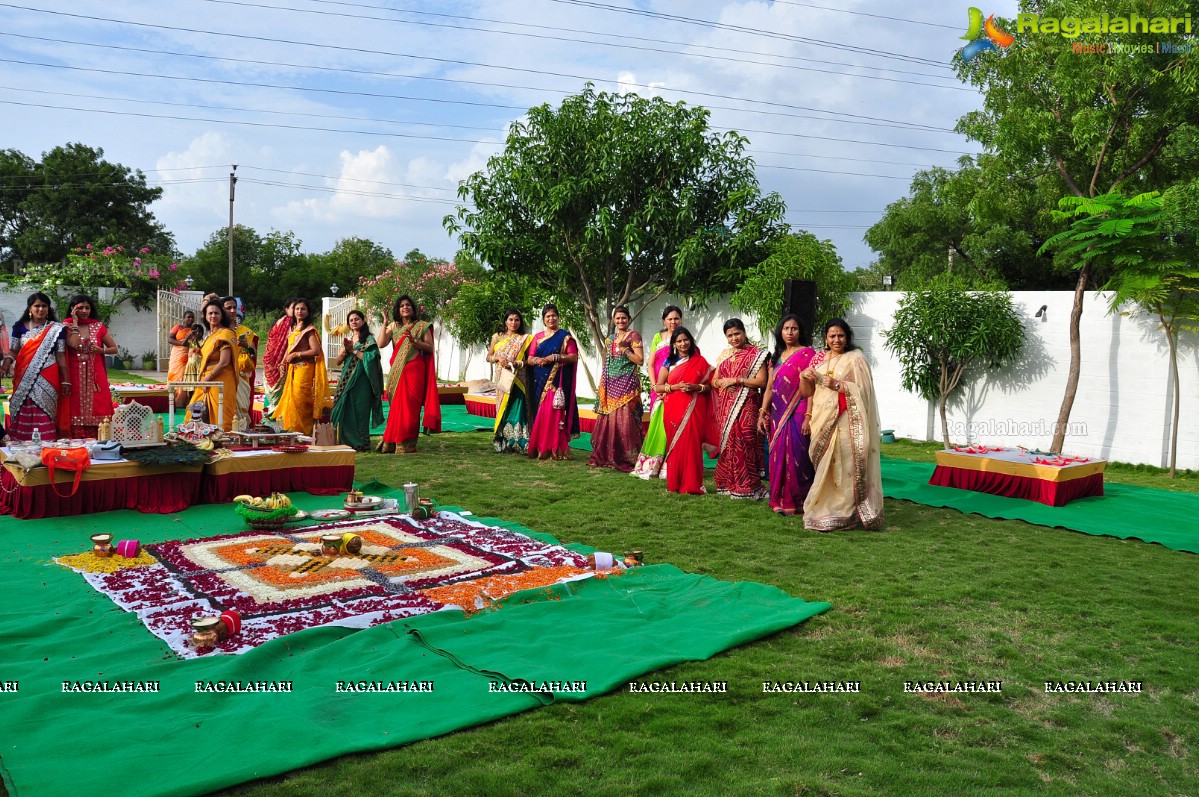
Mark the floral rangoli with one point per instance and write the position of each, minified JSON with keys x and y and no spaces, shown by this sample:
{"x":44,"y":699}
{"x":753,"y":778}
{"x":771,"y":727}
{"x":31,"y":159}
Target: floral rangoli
{"x":280,"y":582}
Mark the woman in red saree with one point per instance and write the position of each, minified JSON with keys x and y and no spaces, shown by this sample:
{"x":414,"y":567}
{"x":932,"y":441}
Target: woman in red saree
{"x":740,"y":377}
{"x":412,"y":380}
{"x":40,"y":381}
{"x":684,"y":384}
{"x":272,"y":358}
{"x":89,"y":341}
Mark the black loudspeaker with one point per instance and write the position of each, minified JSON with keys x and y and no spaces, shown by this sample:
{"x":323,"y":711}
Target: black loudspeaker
{"x":799,"y":297}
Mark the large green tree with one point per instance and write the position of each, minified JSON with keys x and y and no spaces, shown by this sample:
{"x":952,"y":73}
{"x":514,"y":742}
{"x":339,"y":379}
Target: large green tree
{"x":71,"y":198}
{"x":616,"y":199}
{"x":267,"y":269}
{"x":1089,"y":124}
{"x":974,"y":221}
{"x":1153,"y":271}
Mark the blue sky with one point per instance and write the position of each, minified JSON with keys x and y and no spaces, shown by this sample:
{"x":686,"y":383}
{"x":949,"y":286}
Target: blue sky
{"x":359,"y":118}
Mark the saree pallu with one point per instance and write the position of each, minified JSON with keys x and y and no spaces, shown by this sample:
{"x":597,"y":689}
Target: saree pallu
{"x":687,"y":420}
{"x":305,"y":386}
{"x":616,"y":439}
{"x":651,"y":461}
{"x":553,"y":428}
{"x":512,"y":408}
{"x":178,"y":361}
{"x":411,"y":388}
{"x":35,"y":404}
{"x":358,"y":404}
{"x":222,"y":406}
{"x":91,"y":399}
{"x":738,"y":471}
{"x":247,"y":352}
{"x":847,"y":490}
{"x":272,"y":359}
{"x":789,"y":466}
{"x":177,"y":369}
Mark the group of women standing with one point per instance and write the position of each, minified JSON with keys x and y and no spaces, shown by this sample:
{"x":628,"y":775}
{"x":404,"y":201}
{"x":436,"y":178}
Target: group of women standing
{"x":536,"y":409}
{"x":60,"y":382}
{"x":813,"y":413}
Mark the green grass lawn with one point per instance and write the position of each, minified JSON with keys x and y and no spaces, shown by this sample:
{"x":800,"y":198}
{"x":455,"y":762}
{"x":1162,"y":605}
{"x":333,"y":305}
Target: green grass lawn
{"x":936,"y":595}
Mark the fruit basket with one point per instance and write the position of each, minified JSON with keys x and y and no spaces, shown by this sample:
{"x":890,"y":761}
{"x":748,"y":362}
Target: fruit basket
{"x":265,"y":514}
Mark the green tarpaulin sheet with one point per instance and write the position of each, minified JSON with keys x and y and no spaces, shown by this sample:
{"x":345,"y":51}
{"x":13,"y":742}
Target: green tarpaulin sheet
{"x":56,"y":629}
{"x":1123,"y":511}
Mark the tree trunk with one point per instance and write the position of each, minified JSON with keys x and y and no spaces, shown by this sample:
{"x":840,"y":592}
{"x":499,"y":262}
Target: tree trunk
{"x":1170,"y":338}
{"x":944,"y":423}
{"x":1063,"y":415}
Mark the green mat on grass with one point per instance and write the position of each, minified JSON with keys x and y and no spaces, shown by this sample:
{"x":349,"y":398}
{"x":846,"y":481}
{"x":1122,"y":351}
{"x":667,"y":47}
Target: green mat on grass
{"x":56,"y":628}
{"x":1124,"y":510}
{"x":454,"y":418}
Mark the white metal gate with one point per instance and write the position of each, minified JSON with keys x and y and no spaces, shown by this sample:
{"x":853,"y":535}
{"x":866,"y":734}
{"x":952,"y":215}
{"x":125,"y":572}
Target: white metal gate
{"x":333,"y":325}
{"x":171,"y":307}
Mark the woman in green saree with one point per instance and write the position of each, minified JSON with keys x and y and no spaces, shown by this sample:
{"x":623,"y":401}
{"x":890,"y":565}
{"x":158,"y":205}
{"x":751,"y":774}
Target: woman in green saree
{"x":508,"y":351}
{"x":358,"y":404}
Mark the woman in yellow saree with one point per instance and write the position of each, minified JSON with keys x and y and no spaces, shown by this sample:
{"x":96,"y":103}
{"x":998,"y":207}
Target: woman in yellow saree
{"x":216,"y":364}
{"x":305,"y":383}
{"x":508,"y":351}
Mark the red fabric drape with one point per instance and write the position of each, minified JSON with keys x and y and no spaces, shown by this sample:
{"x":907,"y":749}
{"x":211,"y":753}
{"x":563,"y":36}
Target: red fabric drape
{"x":484,"y":409}
{"x":330,"y":480}
{"x":159,"y":494}
{"x":1039,"y":490}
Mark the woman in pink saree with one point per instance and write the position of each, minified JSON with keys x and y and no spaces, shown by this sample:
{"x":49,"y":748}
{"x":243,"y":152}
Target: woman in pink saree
{"x":781,"y":419}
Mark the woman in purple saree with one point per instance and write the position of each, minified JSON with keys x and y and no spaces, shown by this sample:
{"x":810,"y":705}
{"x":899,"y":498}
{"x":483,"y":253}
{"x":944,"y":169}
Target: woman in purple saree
{"x":781,"y":419}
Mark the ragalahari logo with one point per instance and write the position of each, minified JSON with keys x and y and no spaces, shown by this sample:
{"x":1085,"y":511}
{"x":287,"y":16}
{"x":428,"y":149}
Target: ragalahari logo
{"x":983,"y":36}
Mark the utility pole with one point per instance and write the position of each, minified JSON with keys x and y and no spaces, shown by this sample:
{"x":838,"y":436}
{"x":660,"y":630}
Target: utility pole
{"x":232,"y":190}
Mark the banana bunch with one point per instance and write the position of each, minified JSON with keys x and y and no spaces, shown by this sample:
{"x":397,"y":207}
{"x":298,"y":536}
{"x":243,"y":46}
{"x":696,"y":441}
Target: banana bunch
{"x":274,"y":501}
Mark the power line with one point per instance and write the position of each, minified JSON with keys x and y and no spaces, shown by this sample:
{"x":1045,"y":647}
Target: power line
{"x":456,"y":62}
{"x":621,"y":35}
{"x":380,"y":133}
{"x":871,"y":121}
{"x":887,"y":17}
{"x":617,"y":44}
{"x":873,"y":52}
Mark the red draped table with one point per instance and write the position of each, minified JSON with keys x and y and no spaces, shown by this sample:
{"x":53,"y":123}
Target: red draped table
{"x":163,"y":489}
{"x":325,"y":471}
{"x":159,"y":489}
{"x":1017,"y":474}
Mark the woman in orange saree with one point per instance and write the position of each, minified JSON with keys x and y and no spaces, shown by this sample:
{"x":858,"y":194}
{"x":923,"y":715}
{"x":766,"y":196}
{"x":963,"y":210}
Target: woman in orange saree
{"x":178,"y":339}
{"x":40,"y":381}
{"x":305,"y":381}
{"x":412,"y":380}
{"x":216,"y":365}
{"x":685,"y":385}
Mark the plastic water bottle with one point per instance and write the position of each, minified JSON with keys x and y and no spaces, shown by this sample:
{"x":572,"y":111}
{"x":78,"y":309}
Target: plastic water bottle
{"x":36,"y":437}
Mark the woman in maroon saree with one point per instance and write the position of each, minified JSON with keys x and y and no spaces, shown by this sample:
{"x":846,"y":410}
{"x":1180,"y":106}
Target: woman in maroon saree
{"x":740,"y":376}
{"x":684,"y":385}
{"x":781,"y":419}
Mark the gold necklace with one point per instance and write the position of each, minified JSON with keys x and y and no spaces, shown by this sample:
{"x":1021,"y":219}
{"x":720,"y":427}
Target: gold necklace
{"x":828,"y":364}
